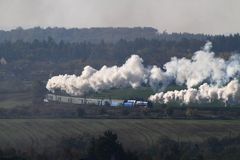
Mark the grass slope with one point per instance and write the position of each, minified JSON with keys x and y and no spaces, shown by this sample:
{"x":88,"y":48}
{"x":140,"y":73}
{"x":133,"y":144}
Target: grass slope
{"x":124,"y":93}
{"x":127,"y":93}
{"x":10,"y":100}
{"x":133,"y":133}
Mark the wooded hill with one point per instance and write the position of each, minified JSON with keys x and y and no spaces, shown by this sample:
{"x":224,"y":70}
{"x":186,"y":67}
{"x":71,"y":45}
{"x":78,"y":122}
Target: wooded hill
{"x":93,"y":35}
{"x":38,"y":59}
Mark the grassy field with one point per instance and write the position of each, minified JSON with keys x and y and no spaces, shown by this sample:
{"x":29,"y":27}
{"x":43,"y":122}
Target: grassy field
{"x":126,"y":93}
{"x":39,"y":133}
{"x":10,"y":100}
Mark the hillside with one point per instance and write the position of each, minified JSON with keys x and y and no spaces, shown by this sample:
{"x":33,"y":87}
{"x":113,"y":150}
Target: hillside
{"x":41,"y":59}
{"x":93,"y":35}
{"x":25,"y":61}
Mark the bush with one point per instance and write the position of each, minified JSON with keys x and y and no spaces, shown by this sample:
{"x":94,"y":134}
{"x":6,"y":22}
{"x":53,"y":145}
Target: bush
{"x":107,"y":147}
{"x":102,"y":111}
{"x":169,"y":110}
{"x":81,"y":112}
{"x":125,"y":112}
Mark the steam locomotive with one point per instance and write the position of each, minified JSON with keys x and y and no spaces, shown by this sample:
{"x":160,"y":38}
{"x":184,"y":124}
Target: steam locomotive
{"x":99,"y":102}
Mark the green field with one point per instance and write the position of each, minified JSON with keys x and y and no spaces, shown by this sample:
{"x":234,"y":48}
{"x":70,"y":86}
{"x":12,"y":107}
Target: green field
{"x":10,"y":100}
{"x":133,"y":133}
{"x":126,"y":93}
{"x":123,"y":93}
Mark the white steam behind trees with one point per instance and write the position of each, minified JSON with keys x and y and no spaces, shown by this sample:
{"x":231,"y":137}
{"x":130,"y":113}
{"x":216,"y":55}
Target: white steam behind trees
{"x":203,"y":67}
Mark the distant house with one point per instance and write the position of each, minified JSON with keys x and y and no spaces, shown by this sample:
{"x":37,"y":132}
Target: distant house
{"x":3,"y":61}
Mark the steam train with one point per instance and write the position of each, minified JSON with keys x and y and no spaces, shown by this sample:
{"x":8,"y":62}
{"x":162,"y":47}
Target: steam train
{"x":99,"y":102}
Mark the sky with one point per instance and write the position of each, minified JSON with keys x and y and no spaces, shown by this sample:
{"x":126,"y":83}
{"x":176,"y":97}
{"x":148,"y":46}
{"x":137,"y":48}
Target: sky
{"x":194,"y":16}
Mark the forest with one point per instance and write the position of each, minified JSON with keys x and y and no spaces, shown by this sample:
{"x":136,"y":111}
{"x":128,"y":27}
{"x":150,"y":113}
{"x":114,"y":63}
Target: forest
{"x":41,"y":58}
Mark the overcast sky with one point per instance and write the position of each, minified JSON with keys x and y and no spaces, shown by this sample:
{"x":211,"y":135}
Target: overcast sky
{"x":196,"y":16}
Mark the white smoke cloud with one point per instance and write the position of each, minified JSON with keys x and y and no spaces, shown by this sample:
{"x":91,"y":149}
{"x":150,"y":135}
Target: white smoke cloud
{"x":203,"y":67}
{"x":132,"y":74}
{"x":205,"y":93}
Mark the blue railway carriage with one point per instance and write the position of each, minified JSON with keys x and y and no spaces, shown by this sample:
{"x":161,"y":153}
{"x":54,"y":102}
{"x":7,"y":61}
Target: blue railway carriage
{"x":135,"y":103}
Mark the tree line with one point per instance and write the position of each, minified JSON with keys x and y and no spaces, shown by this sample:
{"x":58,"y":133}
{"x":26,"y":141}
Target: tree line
{"x":39,"y":59}
{"x":154,"y":50}
{"x":108,"y":147}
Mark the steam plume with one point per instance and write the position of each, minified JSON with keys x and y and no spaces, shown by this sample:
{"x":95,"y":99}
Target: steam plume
{"x":203,"y":67}
{"x":205,"y":93}
{"x":132,"y":74}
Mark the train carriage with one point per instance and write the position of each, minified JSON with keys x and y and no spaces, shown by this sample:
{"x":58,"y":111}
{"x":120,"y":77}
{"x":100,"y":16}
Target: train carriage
{"x":98,"y":102}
